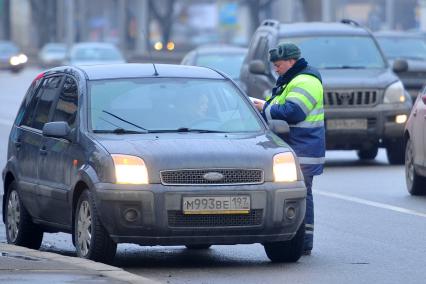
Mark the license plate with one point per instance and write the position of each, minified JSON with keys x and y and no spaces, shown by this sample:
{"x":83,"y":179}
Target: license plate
{"x":360,"y":124}
{"x":236,"y":204}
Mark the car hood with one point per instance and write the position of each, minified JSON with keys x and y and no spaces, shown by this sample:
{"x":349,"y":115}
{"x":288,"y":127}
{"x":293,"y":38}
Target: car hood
{"x":357,"y":78}
{"x":198,"y":151}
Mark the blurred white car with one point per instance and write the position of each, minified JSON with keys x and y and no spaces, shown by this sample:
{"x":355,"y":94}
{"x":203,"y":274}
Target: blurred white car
{"x":94,"y":53}
{"x":11,"y":57}
{"x":52,"y":54}
{"x":226,"y":58}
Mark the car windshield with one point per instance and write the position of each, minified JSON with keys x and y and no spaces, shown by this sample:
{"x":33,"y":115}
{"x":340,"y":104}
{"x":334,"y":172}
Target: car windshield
{"x":331,"y":52}
{"x":8,"y":48}
{"x":95,"y":53}
{"x":229,"y":63}
{"x":403,"y":47}
{"x":169,"y":104}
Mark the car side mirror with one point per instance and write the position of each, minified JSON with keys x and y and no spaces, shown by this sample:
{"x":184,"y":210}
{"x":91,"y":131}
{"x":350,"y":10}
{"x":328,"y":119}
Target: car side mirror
{"x":400,"y":65}
{"x":57,"y":129}
{"x":424,"y":98}
{"x":279,"y":126}
{"x":257,"y":67}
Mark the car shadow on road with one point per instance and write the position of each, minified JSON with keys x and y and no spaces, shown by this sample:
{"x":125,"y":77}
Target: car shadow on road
{"x":180,"y":257}
{"x":334,"y":163}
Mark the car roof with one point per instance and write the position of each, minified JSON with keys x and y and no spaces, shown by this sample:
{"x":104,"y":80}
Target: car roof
{"x":138,"y":70}
{"x":320,"y":28}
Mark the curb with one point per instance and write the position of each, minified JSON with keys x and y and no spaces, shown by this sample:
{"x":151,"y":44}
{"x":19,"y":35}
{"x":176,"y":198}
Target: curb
{"x":108,"y":271}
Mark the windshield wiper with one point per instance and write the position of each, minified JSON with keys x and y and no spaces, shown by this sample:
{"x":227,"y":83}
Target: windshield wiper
{"x":126,"y":121}
{"x":119,"y":131}
{"x":185,"y":129}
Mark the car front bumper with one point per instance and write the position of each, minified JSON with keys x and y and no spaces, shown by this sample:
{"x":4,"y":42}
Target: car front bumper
{"x":381,"y":126}
{"x":158,"y":217}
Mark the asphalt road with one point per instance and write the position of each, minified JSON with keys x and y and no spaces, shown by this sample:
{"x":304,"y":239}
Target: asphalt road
{"x":368,"y":228}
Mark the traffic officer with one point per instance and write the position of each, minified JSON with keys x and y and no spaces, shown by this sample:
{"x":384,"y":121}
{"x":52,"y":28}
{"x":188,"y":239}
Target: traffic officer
{"x":297,"y":99}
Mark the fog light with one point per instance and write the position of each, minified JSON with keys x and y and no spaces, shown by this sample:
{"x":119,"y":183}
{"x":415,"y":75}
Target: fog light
{"x":401,"y":118}
{"x":290,"y":212}
{"x":131,"y":215}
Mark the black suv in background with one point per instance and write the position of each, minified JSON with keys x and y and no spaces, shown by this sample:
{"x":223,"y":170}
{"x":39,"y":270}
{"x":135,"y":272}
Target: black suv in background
{"x":409,"y":49}
{"x":366,"y":105}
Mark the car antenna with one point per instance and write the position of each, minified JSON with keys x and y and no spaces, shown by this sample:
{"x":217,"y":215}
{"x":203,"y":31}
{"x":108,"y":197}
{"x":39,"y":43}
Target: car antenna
{"x":155,"y":69}
{"x":150,"y":56}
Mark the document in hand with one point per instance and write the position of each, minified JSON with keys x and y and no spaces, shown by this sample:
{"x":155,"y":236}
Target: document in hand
{"x":255,"y":99}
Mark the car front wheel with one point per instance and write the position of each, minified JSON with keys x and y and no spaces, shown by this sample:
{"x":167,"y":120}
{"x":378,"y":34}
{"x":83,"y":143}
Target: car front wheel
{"x":287,"y":251}
{"x":395,"y":152}
{"x":368,"y":154}
{"x":91,"y":239}
{"x":416,"y":185}
{"x":20,"y":229}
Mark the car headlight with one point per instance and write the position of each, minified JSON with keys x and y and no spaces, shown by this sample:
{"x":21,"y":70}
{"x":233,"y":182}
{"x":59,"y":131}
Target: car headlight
{"x":130,"y":169}
{"x":14,"y":61}
{"x":22,"y":58}
{"x":285,"y":167}
{"x":394,"y":94}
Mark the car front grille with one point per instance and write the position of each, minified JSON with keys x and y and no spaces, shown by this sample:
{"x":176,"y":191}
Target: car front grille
{"x":351,"y":98}
{"x":178,"y":219}
{"x":201,"y":176}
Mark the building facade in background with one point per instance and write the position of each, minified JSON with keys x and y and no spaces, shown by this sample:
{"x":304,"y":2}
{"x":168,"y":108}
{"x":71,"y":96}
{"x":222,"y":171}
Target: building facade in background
{"x":136,"y":25}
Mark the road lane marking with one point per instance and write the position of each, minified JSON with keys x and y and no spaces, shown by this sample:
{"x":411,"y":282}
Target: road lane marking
{"x":371,"y":203}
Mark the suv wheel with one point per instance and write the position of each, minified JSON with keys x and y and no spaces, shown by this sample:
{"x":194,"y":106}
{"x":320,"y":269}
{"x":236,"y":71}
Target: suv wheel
{"x":416,"y":185}
{"x":91,"y":239}
{"x":287,"y":251}
{"x":395,"y":152}
{"x":20,"y":229}
{"x":198,"y":247}
{"x":368,"y":154}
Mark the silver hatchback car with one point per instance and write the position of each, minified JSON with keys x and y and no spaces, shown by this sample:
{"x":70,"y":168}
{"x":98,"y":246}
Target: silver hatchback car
{"x":152,"y":155}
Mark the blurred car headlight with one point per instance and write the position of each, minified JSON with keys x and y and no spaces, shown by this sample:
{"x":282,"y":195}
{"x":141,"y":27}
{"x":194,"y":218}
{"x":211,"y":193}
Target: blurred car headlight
{"x":18,"y":59}
{"x":285,"y":169}
{"x":130,"y":169}
{"x":14,"y":61}
{"x":158,"y":46}
{"x":395,"y":94}
{"x":23,"y":58}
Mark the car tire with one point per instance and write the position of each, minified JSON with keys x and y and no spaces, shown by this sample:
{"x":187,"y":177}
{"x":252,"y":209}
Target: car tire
{"x":416,"y":185}
{"x":287,"y":251}
{"x":368,"y":154}
{"x":198,"y":247}
{"x":92,"y":241}
{"x":396,"y":152}
{"x":20,"y":229}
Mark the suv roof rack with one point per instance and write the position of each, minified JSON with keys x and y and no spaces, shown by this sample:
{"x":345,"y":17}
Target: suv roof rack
{"x":270,"y":23}
{"x":350,"y":22}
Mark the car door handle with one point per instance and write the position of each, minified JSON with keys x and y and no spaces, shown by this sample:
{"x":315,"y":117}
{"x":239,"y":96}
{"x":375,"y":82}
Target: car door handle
{"x":43,"y":151}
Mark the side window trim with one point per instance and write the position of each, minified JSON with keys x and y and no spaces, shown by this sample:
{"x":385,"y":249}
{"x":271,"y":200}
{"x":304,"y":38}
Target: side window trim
{"x":49,"y":117}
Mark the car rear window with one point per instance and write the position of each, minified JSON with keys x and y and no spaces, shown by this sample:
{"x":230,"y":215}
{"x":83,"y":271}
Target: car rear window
{"x":229,"y":63}
{"x":170,"y":103}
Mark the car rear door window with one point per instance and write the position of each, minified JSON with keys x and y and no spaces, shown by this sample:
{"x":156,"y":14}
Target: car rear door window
{"x":40,"y":107}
